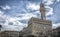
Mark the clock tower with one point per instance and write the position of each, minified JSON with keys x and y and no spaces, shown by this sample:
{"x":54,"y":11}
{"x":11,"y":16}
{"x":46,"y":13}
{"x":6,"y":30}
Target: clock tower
{"x":42,"y":11}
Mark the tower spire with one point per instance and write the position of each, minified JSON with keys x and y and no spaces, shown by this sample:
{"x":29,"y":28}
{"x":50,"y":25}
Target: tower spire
{"x":42,"y":11}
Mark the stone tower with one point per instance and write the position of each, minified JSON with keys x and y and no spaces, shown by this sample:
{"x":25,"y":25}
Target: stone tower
{"x":42,"y":11}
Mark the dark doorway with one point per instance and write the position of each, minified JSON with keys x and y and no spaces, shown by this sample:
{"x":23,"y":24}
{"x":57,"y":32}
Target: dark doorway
{"x":58,"y":35}
{"x":31,"y":36}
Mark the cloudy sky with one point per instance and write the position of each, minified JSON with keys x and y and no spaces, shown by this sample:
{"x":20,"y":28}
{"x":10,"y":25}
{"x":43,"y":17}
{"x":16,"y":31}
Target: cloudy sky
{"x":14,"y":14}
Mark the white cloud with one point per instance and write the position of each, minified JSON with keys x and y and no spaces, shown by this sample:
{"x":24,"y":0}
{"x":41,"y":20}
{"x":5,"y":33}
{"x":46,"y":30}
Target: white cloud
{"x":12,"y":19}
{"x":12,"y":28}
{"x":48,"y":2}
{"x":33,"y":6}
{"x":2,"y":17}
{"x":1,"y":12}
{"x":27,"y":16}
{"x":50,"y":12}
{"x":6,"y":7}
{"x":15,"y":22}
{"x":7,"y":19}
{"x":15,"y":26}
{"x":56,"y":25}
{"x":58,"y":0}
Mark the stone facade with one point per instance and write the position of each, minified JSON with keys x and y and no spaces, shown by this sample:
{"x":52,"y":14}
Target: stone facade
{"x":9,"y":34}
{"x":39,"y":25}
{"x":36,"y":27}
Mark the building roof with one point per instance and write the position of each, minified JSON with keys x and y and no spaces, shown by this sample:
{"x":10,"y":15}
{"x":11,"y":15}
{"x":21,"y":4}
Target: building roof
{"x":36,"y":20}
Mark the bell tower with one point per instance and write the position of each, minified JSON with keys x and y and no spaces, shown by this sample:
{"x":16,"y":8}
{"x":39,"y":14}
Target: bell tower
{"x":42,"y":11}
